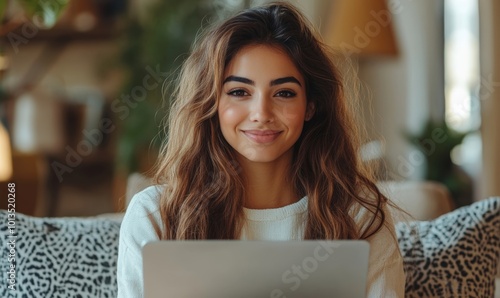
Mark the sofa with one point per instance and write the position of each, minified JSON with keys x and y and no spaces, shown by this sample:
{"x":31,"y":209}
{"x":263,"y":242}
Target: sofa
{"x":447,"y":253}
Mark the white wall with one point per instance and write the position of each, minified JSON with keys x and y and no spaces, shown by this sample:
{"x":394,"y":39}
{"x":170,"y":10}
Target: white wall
{"x":490,"y":96}
{"x":407,"y":89}
{"x":316,"y":10}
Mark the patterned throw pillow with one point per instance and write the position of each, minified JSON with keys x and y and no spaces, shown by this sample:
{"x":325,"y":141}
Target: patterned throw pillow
{"x":455,"y":255}
{"x":60,"y":257}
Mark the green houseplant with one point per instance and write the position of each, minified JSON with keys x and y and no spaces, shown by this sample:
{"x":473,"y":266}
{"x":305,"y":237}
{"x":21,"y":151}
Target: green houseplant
{"x":436,"y":141}
{"x":160,"y":42}
{"x":46,"y":12}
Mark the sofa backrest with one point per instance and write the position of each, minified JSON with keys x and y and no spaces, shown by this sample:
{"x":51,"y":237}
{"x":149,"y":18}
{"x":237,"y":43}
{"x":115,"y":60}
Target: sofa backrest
{"x":423,"y":200}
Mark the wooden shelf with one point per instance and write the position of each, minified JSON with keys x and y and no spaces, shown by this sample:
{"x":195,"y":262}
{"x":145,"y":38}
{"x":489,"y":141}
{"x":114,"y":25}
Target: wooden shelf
{"x":102,"y":18}
{"x":104,"y":30}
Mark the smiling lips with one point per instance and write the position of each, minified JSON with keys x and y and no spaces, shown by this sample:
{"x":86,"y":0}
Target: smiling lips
{"x":262,"y":136}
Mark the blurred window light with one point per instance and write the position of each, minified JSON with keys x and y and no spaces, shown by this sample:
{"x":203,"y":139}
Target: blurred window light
{"x":458,"y":108}
{"x":462,"y":80}
{"x":462,"y":64}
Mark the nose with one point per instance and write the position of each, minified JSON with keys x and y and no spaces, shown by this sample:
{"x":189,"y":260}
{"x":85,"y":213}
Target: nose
{"x":262,"y":110}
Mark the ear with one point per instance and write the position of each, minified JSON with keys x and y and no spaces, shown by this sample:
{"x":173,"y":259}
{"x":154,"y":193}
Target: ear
{"x":310,"y":109}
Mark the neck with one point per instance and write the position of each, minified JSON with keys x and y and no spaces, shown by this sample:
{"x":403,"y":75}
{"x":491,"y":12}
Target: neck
{"x":266,"y":183}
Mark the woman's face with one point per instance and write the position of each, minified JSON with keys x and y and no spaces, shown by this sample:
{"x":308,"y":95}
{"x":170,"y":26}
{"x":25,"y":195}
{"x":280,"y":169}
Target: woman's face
{"x":263,"y":104}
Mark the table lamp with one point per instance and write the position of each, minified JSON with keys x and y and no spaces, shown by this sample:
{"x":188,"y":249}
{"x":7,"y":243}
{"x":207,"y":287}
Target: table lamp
{"x":5,"y":155}
{"x":361,"y":27}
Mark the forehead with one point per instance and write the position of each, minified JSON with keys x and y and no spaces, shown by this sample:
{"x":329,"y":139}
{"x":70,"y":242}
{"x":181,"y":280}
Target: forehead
{"x":262,"y":62}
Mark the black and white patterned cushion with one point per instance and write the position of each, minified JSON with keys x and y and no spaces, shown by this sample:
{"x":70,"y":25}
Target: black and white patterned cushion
{"x":455,"y":255}
{"x":61,"y":257}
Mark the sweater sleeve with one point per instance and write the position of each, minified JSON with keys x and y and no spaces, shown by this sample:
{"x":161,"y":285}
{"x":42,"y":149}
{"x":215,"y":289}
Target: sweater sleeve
{"x":386,"y":277}
{"x":140,"y":225}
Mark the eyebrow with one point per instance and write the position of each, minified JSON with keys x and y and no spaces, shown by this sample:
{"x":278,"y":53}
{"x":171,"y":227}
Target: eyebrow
{"x":275,"y":82}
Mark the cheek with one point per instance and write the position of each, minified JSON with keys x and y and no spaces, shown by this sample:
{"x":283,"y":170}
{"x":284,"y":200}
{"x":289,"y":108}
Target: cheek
{"x":230,"y":116}
{"x":293,"y":115}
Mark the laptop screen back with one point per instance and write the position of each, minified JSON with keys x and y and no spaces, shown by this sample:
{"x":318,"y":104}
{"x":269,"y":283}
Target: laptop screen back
{"x":253,"y":269}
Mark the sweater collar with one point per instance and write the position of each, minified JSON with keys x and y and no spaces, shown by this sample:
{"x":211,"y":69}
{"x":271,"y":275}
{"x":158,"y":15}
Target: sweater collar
{"x":276,"y":213}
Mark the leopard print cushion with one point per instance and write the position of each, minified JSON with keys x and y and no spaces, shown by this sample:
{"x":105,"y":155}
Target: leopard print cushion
{"x":61,"y":257}
{"x":455,"y":255}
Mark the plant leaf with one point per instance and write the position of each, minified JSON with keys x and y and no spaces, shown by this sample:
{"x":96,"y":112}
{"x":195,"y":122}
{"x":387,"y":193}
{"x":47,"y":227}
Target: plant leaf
{"x":161,"y":42}
{"x":3,"y":8}
{"x":47,"y":12}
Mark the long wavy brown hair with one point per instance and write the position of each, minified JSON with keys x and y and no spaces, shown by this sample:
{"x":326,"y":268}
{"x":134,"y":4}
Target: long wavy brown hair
{"x":203,"y":191}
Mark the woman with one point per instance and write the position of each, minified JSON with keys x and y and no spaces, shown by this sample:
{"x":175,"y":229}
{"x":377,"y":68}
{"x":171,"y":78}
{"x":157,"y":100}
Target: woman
{"x":261,"y":145}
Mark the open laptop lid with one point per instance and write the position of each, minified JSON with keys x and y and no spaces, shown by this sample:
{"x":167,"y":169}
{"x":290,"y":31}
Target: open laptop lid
{"x":239,"y":269}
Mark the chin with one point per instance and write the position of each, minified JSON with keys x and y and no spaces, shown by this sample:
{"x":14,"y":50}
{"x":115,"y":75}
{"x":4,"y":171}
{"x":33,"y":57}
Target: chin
{"x":260,"y":159}
{"x":253,"y":155}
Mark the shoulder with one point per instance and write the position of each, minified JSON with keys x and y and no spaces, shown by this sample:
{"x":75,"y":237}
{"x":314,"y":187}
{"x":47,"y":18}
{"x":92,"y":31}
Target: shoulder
{"x":369,"y":217}
{"x":142,"y":221}
{"x":141,"y":224}
{"x":145,"y":201}
{"x":386,"y":277}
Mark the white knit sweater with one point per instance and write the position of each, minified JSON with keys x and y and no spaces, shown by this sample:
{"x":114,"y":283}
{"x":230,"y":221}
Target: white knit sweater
{"x":142,"y":222}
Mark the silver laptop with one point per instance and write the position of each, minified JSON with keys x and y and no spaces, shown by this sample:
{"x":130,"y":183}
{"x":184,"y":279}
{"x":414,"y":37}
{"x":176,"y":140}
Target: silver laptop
{"x":254,"y":269}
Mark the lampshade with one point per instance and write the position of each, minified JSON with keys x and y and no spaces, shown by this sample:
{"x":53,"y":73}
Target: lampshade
{"x":361,"y":27}
{"x":5,"y":155}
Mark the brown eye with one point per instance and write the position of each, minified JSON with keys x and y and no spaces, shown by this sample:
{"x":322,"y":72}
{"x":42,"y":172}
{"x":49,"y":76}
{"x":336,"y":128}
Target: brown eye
{"x":286,"y":94}
{"x":238,"y":93}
